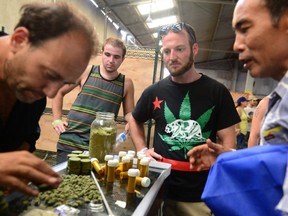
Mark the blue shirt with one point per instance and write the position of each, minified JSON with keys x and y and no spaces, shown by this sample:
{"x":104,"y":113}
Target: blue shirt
{"x":275,"y":125}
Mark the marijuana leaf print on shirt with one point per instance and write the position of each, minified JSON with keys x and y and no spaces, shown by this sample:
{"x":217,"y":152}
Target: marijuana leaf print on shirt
{"x":185,"y":133}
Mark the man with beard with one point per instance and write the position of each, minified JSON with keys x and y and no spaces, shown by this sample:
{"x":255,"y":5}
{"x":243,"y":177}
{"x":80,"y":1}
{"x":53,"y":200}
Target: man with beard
{"x":188,"y":108}
{"x":107,"y":90}
{"x":51,"y":45}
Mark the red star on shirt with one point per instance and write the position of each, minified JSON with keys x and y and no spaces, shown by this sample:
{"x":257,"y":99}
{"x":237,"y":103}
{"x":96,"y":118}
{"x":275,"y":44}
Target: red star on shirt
{"x":157,"y":103}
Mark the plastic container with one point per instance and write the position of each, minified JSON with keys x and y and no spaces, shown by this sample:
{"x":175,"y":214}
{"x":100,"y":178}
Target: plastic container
{"x":107,"y":158}
{"x":121,"y":154}
{"x":121,"y":138}
{"x":143,"y":181}
{"x":140,"y":155}
{"x":112,"y":165}
{"x":132,"y":174}
{"x":123,"y":165}
{"x":102,"y":136}
{"x":97,"y":166}
{"x":144,"y":166}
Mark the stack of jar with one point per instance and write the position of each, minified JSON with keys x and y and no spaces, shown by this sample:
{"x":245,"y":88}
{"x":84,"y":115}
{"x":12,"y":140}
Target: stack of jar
{"x":123,"y":169}
{"x":78,"y":163}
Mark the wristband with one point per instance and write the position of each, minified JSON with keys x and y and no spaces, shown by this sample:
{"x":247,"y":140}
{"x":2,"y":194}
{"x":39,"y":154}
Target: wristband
{"x":56,"y":121}
{"x":143,"y":149}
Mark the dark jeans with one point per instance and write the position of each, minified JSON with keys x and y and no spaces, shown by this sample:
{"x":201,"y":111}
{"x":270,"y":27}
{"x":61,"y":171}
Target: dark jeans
{"x":61,"y":156}
{"x":241,"y":141}
{"x":247,"y":136}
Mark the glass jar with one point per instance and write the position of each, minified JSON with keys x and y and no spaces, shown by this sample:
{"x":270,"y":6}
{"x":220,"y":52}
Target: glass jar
{"x":102,"y":136}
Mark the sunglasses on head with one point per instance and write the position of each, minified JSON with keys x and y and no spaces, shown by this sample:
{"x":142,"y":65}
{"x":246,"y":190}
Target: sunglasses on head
{"x":177,"y":27}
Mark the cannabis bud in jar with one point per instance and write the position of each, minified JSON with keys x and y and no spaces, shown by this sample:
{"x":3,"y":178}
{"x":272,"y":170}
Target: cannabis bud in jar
{"x":102,"y":136}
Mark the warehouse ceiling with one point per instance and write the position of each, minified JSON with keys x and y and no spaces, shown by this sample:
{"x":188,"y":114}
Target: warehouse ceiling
{"x":210,"y":18}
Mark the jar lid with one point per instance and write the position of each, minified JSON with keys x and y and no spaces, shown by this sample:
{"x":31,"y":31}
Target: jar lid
{"x":125,"y":159}
{"x":83,"y":156}
{"x":72,"y":155}
{"x":145,"y":161}
{"x":94,"y":159}
{"x":140,"y":153}
{"x":74,"y":159}
{"x":108,"y":157}
{"x":122,"y":153}
{"x":131,"y":152}
{"x":76,"y":152}
{"x":148,"y":158}
{"x":133,"y":172}
{"x":113,"y":163}
{"x":140,"y":156}
{"x":105,"y":115}
{"x":131,"y":156}
{"x":86,"y":161}
{"x":145,"y":182}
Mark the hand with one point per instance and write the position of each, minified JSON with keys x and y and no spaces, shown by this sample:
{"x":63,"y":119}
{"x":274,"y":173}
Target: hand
{"x":153,"y":155}
{"x":60,"y":127}
{"x":126,"y":128}
{"x":237,"y":132}
{"x":20,"y":167}
{"x":204,"y":156}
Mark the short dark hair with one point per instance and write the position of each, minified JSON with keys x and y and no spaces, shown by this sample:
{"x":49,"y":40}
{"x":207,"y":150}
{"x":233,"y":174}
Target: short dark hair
{"x":51,"y":20}
{"x":115,"y":42}
{"x":276,"y":8}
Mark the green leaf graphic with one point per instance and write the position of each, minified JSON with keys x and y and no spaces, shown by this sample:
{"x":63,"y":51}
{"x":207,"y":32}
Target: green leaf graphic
{"x":182,"y":141}
{"x":203,"y":119}
{"x":169,"y":116}
{"x":185,"y":109}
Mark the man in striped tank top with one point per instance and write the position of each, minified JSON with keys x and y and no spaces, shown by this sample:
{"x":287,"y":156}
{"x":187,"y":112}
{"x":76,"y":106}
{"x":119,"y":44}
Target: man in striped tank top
{"x":103,"y":89}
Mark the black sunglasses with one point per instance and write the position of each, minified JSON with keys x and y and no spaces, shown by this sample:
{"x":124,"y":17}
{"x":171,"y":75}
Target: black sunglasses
{"x":177,"y":27}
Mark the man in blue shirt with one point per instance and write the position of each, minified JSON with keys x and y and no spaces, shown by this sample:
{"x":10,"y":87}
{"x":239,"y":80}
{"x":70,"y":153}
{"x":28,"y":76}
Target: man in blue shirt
{"x":262,"y":60}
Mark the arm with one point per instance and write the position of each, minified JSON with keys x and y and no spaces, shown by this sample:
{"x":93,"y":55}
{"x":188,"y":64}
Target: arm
{"x":128,"y":101}
{"x":138,"y":137}
{"x":227,"y":137}
{"x":57,"y":103}
{"x":20,"y":167}
{"x":205,"y":155}
{"x":258,"y":116}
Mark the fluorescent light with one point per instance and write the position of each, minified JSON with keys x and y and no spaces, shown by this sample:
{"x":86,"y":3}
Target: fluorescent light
{"x":94,"y":3}
{"x":162,"y":21}
{"x":115,"y":25}
{"x":155,"y":35}
{"x":155,"y":6}
{"x":123,"y":34}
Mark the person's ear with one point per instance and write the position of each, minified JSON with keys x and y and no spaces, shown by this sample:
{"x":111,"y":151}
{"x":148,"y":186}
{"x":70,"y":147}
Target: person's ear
{"x":19,"y":38}
{"x":284,"y":20}
{"x":195,"y":49}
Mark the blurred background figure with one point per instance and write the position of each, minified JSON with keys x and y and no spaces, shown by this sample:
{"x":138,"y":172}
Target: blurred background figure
{"x":242,"y":126}
{"x":251,"y":106}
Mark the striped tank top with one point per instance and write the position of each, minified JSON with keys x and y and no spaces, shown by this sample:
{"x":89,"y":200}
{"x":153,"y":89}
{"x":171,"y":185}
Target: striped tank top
{"x":97,"y":94}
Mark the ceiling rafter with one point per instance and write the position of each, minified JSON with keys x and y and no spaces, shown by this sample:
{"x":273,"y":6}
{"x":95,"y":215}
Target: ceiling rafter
{"x":211,"y":21}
